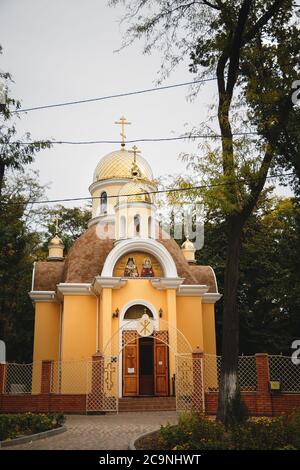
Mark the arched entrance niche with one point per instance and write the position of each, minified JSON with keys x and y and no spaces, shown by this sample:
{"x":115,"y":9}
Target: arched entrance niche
{"x":144,"y":361}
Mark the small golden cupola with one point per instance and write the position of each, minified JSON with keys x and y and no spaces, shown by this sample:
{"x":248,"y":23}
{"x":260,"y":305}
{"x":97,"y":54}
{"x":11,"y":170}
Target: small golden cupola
{"x":135,"y":210}
{"x":188,"y":251}
{"x":56,"y":246}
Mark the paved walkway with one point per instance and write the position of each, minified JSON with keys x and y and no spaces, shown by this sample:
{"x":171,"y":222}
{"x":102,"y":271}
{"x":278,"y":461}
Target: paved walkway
{"x":105,"y":432}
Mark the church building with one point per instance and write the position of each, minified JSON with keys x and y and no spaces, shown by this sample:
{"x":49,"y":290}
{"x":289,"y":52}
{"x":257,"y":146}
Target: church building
{"x":124,"y":291}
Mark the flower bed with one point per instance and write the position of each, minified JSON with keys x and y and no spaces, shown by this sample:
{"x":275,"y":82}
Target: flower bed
{"x":18,"y":425}
{"x":194,"y":432}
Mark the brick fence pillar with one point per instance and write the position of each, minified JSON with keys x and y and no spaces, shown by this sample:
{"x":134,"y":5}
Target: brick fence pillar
{"x":263,"y":395}
{"x":46,"y":377}
{"x":198,"y":385}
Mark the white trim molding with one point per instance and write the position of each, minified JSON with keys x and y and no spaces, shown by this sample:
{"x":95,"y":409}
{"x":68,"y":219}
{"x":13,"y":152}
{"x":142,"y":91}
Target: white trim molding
{"x":43,"y":296}
{"x":33,"y":276}
{"x":211,"y":297}
{"x":108,"y":282}
{"x":102,"y":184}
{"x":192,"y":290}
{"x":65,"y":288}
{"x":142,"y":302}
{"x":147,"y":245}
{"x":166,"y":282}
{"x":103,"y":219}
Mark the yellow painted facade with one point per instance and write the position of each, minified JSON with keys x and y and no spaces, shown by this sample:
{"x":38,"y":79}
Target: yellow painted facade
{"x":78,"y":333}
{"x":74,"y":320}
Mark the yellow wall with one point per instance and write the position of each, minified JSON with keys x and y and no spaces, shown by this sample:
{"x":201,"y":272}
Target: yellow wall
{"x":209,"y":329}
{"x":140,"y":289}
{"x":79,"y":327}
{"x":46,"y":331}
{"x":189,"y":320}
{"x":46,"y":338}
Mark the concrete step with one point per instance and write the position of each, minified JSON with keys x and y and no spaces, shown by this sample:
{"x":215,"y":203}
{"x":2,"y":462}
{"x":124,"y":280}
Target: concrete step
{"x":147,"y":404}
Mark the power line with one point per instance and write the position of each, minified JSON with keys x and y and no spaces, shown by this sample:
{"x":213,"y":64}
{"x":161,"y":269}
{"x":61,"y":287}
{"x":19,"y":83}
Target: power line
{"x":159,"y":191}
{"x":158,"y":139}
{"x":108,"y":97}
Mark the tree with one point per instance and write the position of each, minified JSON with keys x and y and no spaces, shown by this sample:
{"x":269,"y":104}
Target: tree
{"x":19,"y":243}
{"x":25,"y":230}
{"x":269,"y":286}
{"x":73,"y":221}
{"x":218,"y":36}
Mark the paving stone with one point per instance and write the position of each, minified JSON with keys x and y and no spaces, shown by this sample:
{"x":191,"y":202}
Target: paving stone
{"x":104,"y":432}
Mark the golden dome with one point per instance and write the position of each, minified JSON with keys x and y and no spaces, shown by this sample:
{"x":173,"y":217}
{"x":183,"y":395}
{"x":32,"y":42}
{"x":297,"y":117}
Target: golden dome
{"x":118,"y":164}
{"x":56,"y":240}
{"x":135,"y":191}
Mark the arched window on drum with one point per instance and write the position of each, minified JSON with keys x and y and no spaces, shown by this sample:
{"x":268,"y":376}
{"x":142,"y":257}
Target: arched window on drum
{"x":137,"y":225}
{"x":103,"y":203}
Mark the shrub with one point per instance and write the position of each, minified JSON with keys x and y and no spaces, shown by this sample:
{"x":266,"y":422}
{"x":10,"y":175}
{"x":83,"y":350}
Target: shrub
{"x":193,"y":432}
{"x":12,"y":426}
{"x":196,"y":432}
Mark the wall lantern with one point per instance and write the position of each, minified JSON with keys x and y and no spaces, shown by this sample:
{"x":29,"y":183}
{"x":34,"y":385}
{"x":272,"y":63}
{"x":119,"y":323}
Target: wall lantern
{"x":116,"y":313}
{"x":160,"y":312}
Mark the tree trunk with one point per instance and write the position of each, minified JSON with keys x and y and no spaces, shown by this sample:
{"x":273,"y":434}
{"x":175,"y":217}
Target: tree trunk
{"x":230,"y":338}
{"x":2,"y":169}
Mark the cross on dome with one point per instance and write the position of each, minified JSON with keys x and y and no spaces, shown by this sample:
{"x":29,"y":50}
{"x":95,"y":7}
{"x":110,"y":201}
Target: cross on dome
{"x":56,"y":224}
{"x":135,"y":170}
{"x":123,"y":122}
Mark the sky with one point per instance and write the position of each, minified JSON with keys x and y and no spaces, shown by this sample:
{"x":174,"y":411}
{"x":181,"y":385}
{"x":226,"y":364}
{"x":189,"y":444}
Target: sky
{"x":63,"y":50}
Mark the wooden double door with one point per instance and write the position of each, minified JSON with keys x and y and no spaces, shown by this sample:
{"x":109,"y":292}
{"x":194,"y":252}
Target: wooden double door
{"x":145,"y":366}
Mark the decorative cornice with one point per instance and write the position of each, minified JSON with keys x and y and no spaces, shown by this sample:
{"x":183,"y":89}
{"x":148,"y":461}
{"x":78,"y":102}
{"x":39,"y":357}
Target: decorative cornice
{"x":108,"y":282}
{"x":103,"y":218}
{"x":53,"y":245}
{"x":107,"y":182}
{"x":192,"y":290}
{"x":127,"y":204}
{"x":211,"y":297}
{"x":166,"y":282}
{"x":65,"y":288}
{"x":43,"y":296}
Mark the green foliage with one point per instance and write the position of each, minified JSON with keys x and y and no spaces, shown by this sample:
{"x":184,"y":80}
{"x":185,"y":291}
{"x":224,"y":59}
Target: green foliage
{"x":269,"y":285}
{"x":17,"y":425}
{"x":73,"y":222}
{"x":197,"y":432}
{"x":193,"y":432}
{"x":19,"y":243}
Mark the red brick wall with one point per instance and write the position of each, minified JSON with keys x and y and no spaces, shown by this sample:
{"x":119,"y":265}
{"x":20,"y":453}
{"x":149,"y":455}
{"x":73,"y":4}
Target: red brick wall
{"x":283,"y":403}
{"x":260,"y":402}
{"x":43,"y":403}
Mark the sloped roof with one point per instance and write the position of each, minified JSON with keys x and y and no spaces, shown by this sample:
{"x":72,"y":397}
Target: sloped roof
{"x":86,"y":258}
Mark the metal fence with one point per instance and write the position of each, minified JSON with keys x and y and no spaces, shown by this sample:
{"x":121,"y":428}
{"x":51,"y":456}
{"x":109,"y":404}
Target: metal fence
{"x":22,"y":378}
{"x":69,"y":377}
{"x":75,"y":377}
{"x":189,"y":383}
{"x":246,"y":373}
{"x":283,"y":369}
